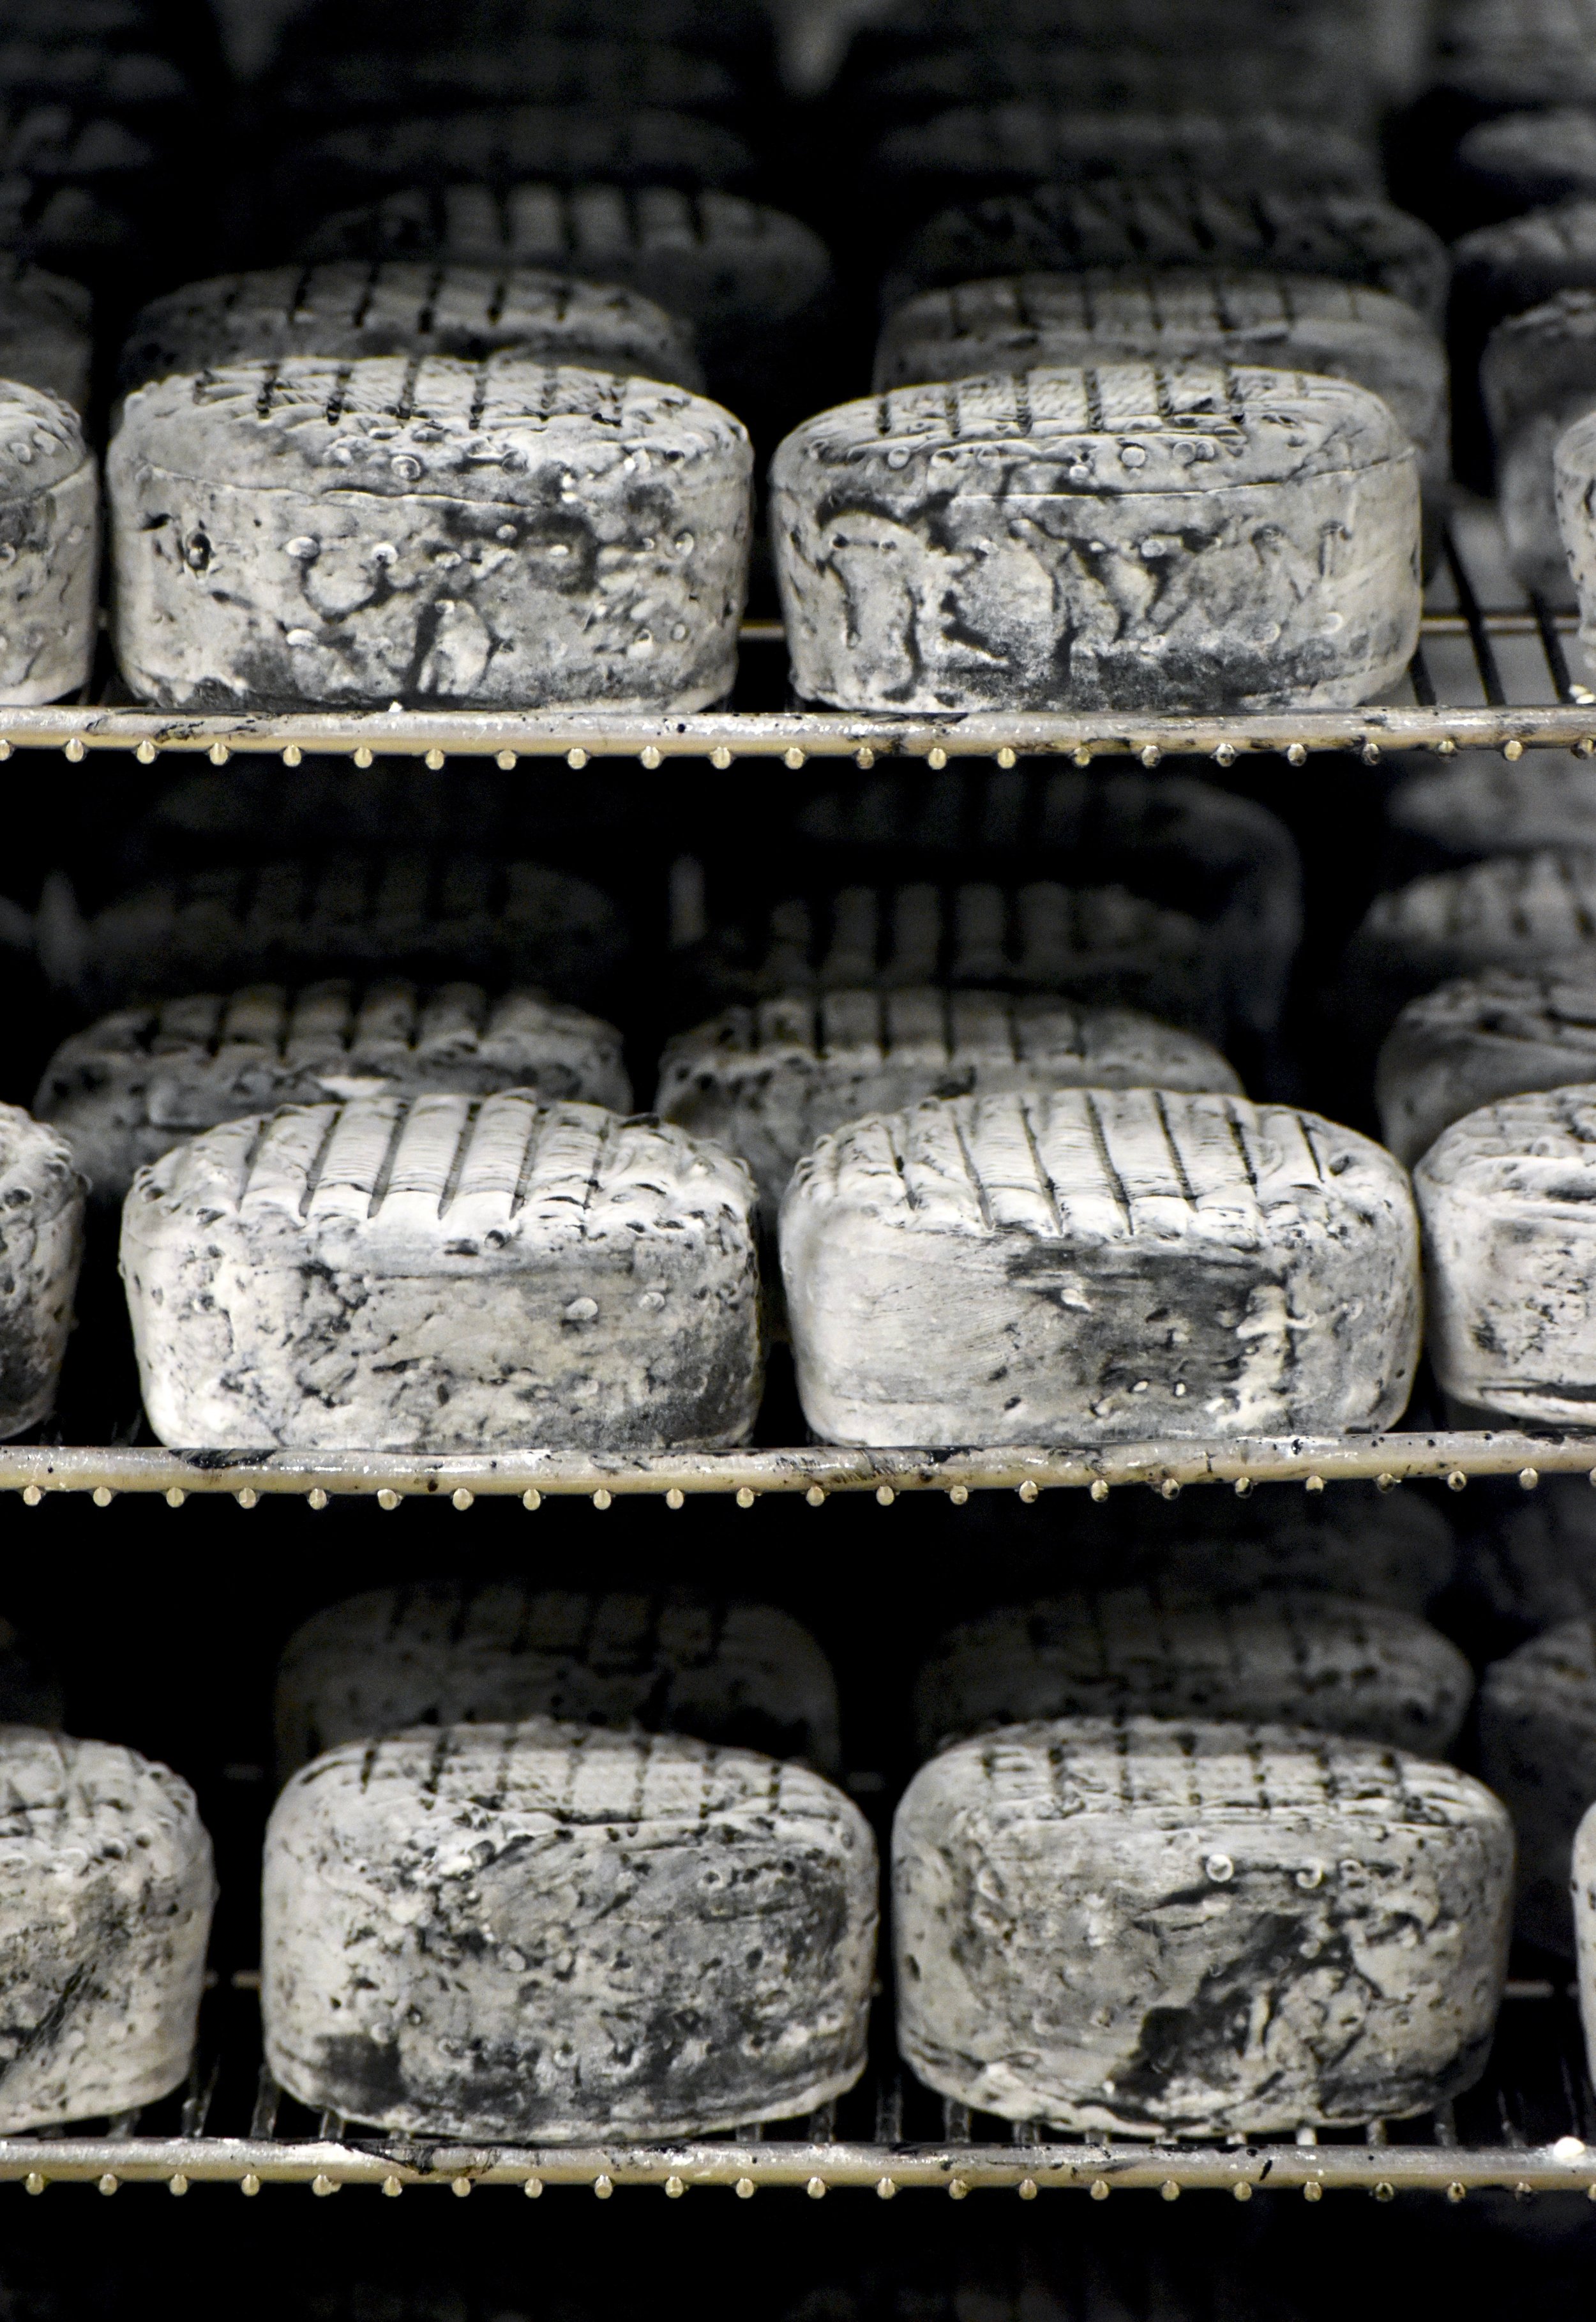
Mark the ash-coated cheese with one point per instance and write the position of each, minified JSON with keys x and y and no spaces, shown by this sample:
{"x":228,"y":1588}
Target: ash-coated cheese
{"x":1472,"y":1042}
{"x":469,"y":1652}
{"x":1118,"y":538}
{"x":541,"y":1933}
{"x":1507,"y":268}
{"x":1509,"y":1243}
{"x":1279,"y":322}
{"x":1095,"y":1266}
{"x":1584,"y":1885}
{"x":445,"y":1274}
{"x":526,"y":67}
{"x":1379,"y":1548}
{"x":1158,"y":222}
{"x":1310,"y":1659}
{"x":1518,"y":911}
{"x":1479,"y":805}
{"x":501,"y":535}
{"x":1536,"y":377}
{"x":49,"y":548}
{"x":105,"y":1896}
{"x":1537,"y":1751}
{"x":1522,"y":161}
{"x":442,"y":916}
{"x":42,"y":1206}
{"x":1573,"y":481}
{"x":45,"y":339}
{"x":352,"y":310}
{"x":1103,"y":946}
{"x":766,"y":1082}
{"x":138,"y":1082}
{"x":1139,"y":1926}
{"x":1499,"y":55}
{"x":1534,"y":1565}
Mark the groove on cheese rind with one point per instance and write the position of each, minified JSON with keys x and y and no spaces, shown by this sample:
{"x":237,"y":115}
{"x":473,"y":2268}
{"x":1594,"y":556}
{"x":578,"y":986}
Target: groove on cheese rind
{"x":351,"y":309}
{"x":1524,"y":913}
{"x":766,"y":1082}
{"x":1143,"y":1928}
{"x":132,"y":1086}
{"x":1476,"y":1040}
{"x":106,"y":1888}
{"x":1285,"y":1658}
{"x":1098,"y":1265}
{"x":468,"y":1652}
{"x":41,"y":1207}
{"x":49,"y":548}
{"x":353,"y":532}
{"x":544,"y":1933}
{"x":1509,"y":1246}
{"x":445,"y":1272}
{"x":1537,"y":1751}
{"x":1120,"y":537}
{"x":1574,"y":471}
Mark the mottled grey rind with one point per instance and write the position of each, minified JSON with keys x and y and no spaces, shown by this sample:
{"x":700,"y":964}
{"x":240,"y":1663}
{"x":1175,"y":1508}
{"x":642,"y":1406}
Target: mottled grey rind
{"x":41,"y":1205}
{"x":1503,"y":54}
{"x":1584,"y":1885}
{"x":502,"y":534}
{"x":45,"y":339}
{"x":1095,"y":1266}
{"x":1510,"y":1252}
{"x":1527,"y":161}
{"x":1472,"y":1042}
{"x":1537,"y":1751}
{"x":138,"y":1082}
{"x":1519,"y":911}
{"x":1507,"y":268}
{"x":349,"y":311}
{"x":1573,"y":484}
{"x":1118,"y":538}
{"x":441,"y":915}
{"x":972,"y":149}
{"x":1386,"y":1550}
{"x":105,"y":1894}
{"x":509,"y":65}
{"x":1136,"y":1927}
{"x":1144,"y":223}
{"x":766,"y":1082}
{"x":1479,"y":805}
{"x":445,"y":1274}
{"x":1308,"y":1660}
{"x":469,"y":1652}
{"x":543,"y":1932}
{"x":1536,"y":376}
{"x":1283,"y":321}
{"x":49,"y":548}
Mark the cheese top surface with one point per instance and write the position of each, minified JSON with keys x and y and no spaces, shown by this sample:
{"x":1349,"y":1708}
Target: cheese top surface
{"x":1179,"y":305}
{"x":1518,"y":903}
{"x":61,"y":1799}
{"x":41,"y":442}
{"x":1539,"y":1147}
{"x":1542,"y":1012}
{"x":37,"y":1171}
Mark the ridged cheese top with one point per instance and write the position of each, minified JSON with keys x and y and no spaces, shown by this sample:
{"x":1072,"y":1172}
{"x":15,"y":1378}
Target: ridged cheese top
{"x":72,"y":1802}
{"x":1154,"y":1773}
{"x":1550,"y":1010}
{"x":470,"y":1176}
{"x":1519,"y":52}
{"x":497,"y":144}
{"x":1044,"y":144}
{"x":1101,"y":1164}
{"x":514,"y":59}
{"x":496,"y":430}
{"x":1116,"y":427}
{"x":1553,"y":1677}
{"x":1539,"y":1147}
{"x":1510,"y":906}
{"x":1481,"y":805}
{"x":41,"y":442}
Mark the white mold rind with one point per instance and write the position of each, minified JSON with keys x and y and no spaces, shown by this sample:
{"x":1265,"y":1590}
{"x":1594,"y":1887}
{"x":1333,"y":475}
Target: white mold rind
{"x":105,"y":1894}
{"x":1096,"y":1267}
{"x":42,"y":1206}
{"x":1538,"y":375}
{"x":138,"y":1082}
{"x":1537,"y":1751}
{"x":539,"y":1933}
{"x":1120,"y":537}
{"x":49,"y":548}
{"x":1573,"y":483}
{"x":1141,"y":1927}
{"x":1475,"y":1041}
{"x":445,"y":1274}
{"x":1517,"y":911}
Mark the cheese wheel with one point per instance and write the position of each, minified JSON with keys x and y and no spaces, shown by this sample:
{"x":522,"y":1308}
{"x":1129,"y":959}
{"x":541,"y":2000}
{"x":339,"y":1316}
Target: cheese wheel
{"x":1520,"y":162}
{"x":138,"y":1082}
{"x":351,"y":310}
{"x":526,"y":67}
{"x":440,"y":1274}
{"x":49,"y":548}
{"x":1174,"y":221}
{"x":538,"y":1934}
{"x":502,"y":534}
{"x":105,"y":1904}
{"x":1472,"y":1042}
{"x":1523,"y":912}
{"x":1505,"y":270}
{"x":1538,"y":1750}
{"x":1534,"y":1564}
{"x":1479,"y":805}
{"x":767,"y":1082}
{"x":1121,"y":537}
{"x":1574,"y":472}
{"x":1510,"y":1256}
{"x":1224,"y":1894}
{"x":1379,"y":1548}
{"x":41,"y":1205}
{"x":1497,"y":55}
{"x":1310,"y":1660}
{"x":1536,"y":377}
{"x":469,"y":1652}
{"x":45,"y":340}
{"x":1095,"y":1267}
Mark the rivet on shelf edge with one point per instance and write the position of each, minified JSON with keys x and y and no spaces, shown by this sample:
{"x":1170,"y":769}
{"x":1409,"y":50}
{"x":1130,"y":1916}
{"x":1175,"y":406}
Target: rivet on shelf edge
{"x":1030,"y":1492}
{"x":1099,"y":1491}
{"x":1027,"y":2189}
{"x":1169,"y":1489}
{"x":249,"y":2186}
{"x":102,"y":1496}
{"x":533,"y":2188}
{"x":1457,"y":1481}
{"x":33,"y":2183}
{"x":650,"y":756}
{"x":958,"y":2190}
{"x":218,"y":754}
{"x":936,"y":759}
{"x":1243,"y":1487}
{"x":434,"y":758}
{"x":603,"y":2188}
{"x":675,"y":2187}
{"x":959,"y":1494}
{"x":1313,"y":2190}
{"x":76,"y":750}
{"x":720,"y":757}
{"x":108,"y":2184}
{"x":675,"y":1497}
{"x":31,"y":1495}
{"x":462,"y":1499}
{"x":320,"y":2186}
{"x":1457,"y":2192}
{"x":815,"y":2189}
{"x":1152,"y":755}
{"x":886,"y":2191}
{"x":865,"y":760}
{"x":145,"y":753}
{"x":745,"y":2188}
{"x":1297,"y":754}
{"x":1081,"y":754}
{"x":745,"y":1496}
{"x":1528,"y":1478}
{"x":4,"y":751}
{"x":1225,"y":755}
{"x":392,"y":2188}
{"x":817,"y":1497}
{"x":1386,"y":1482}
{"x":180,"y":2184}
{"x":1446,"y":748}
{"x":793,"y":757}
{"x":532,"y":1502}
{"x":1099,"y":2188}
{"x":1585,"y":748}
{"x":1314,"y":1483}
{"x":1512,"y":751}
{"x":317,"y":1497}
{"x":363,"y":757}
{"x":388,"y":1497}
{"x":246,"y":1498}
{"x":1241,"y":2190}
{"x":505,"y":762}
{"x":460,"y":2187}
{"x":1383,"y":2192}
{"x":292,"y":754}
{"x":601,"y":1499}
{"x":885,"y":1496}
{"x":576,"y":760}
{"x":1006,"y":758}
{"x":1169,"y":2190}
{"x":1371,"y":754}
{"x":175,"y":1496}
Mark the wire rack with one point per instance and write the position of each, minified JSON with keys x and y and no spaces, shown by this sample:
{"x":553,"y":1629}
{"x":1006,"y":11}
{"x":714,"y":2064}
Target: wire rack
{"x":1528,"y":2127}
